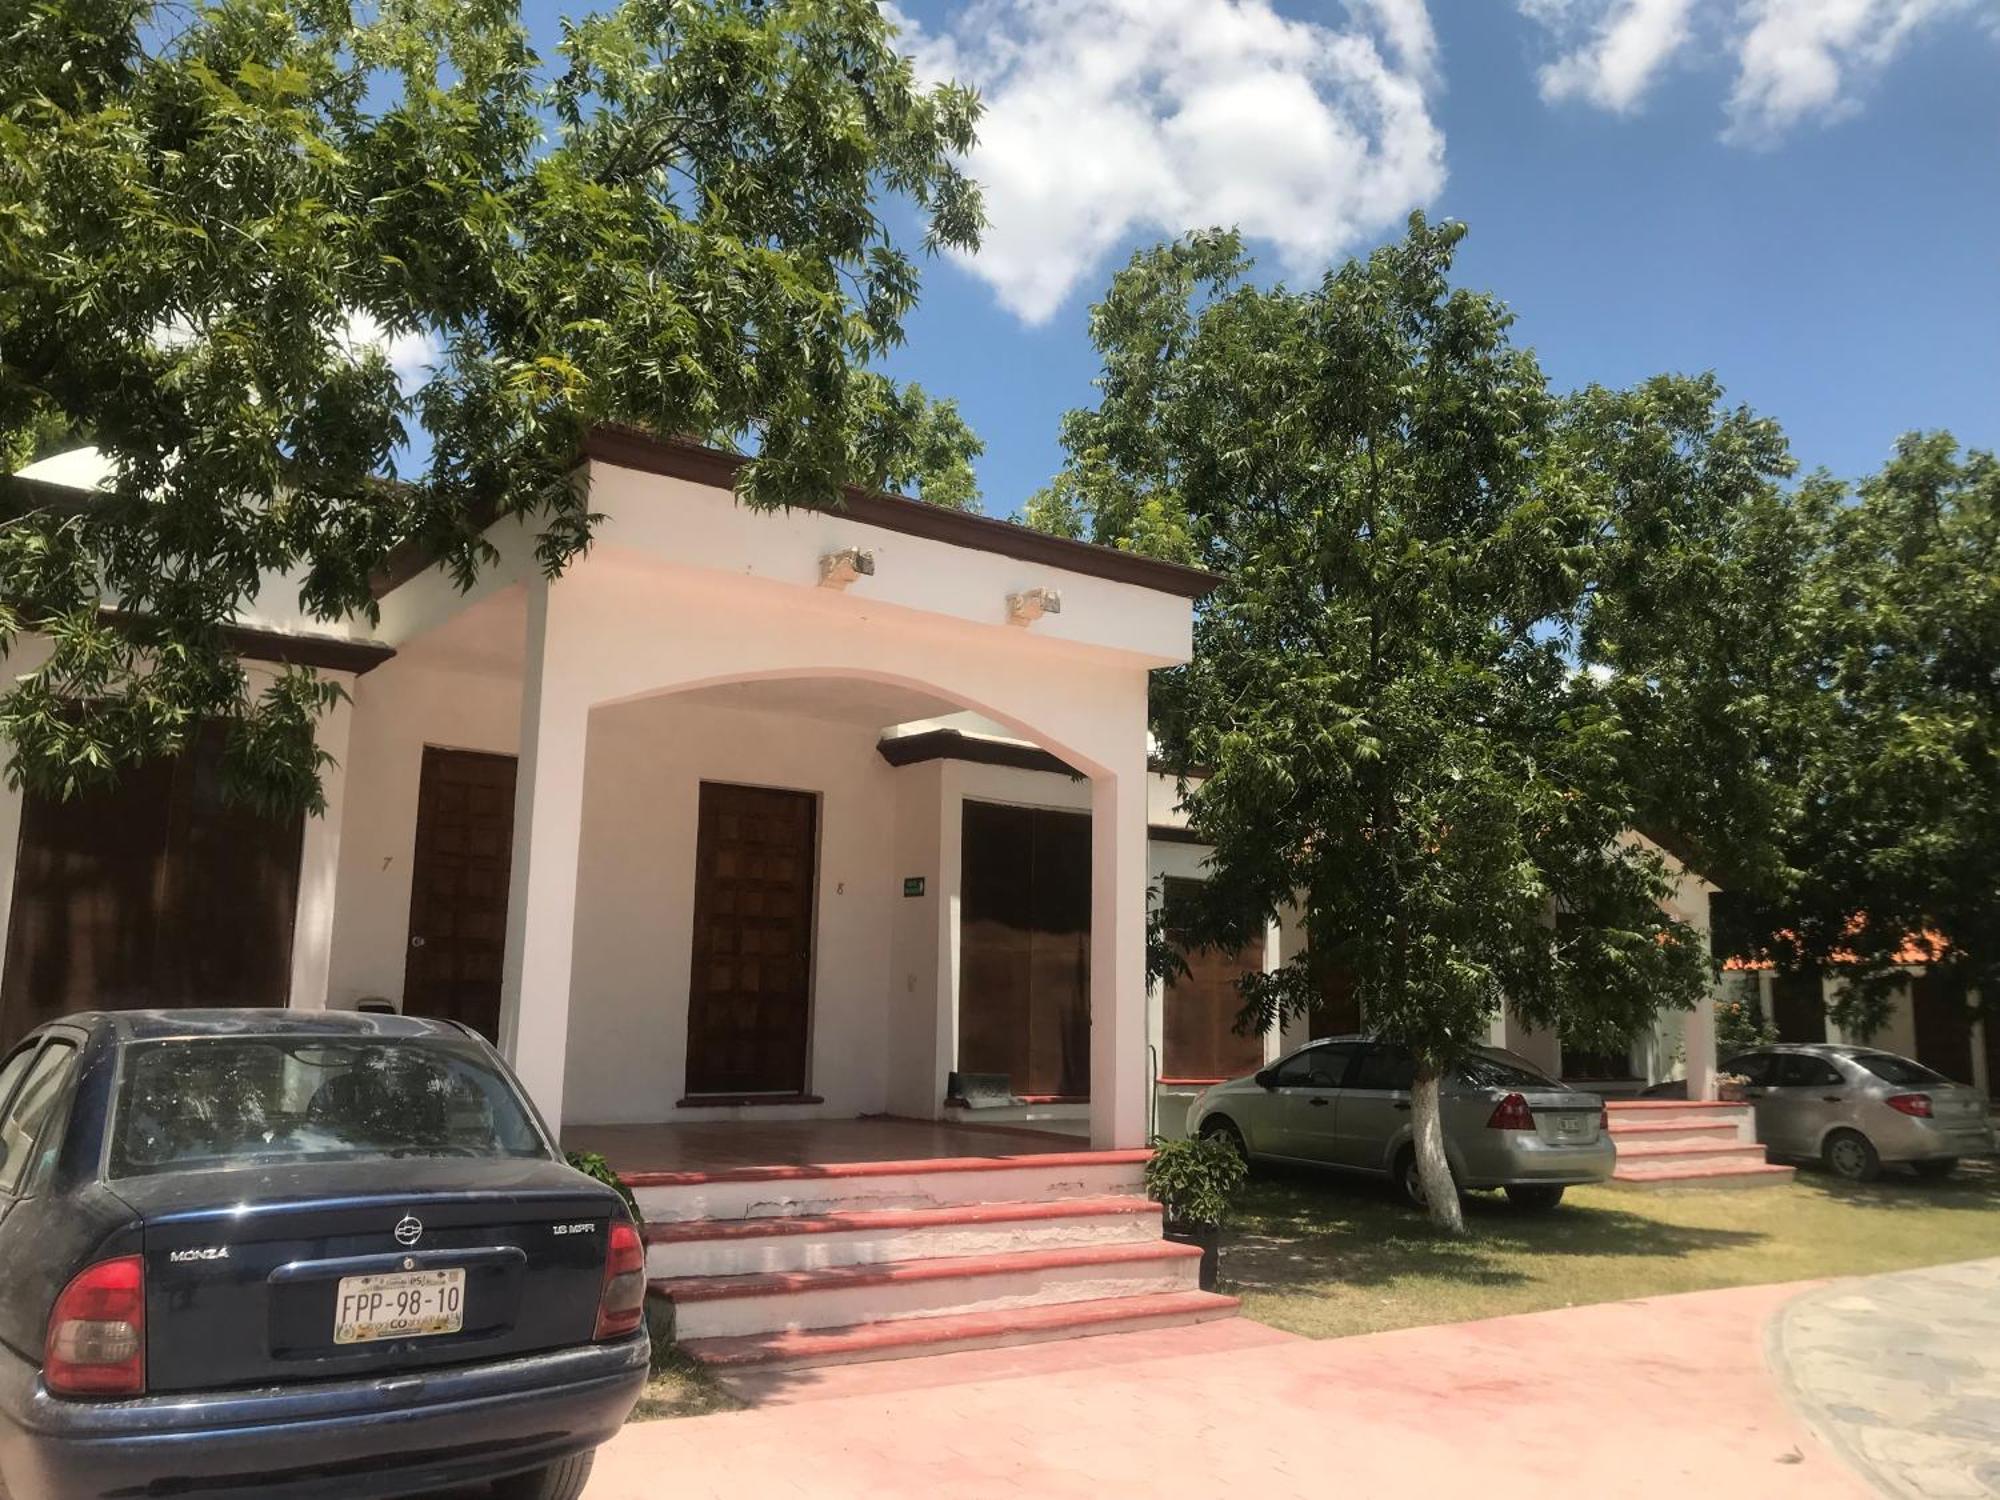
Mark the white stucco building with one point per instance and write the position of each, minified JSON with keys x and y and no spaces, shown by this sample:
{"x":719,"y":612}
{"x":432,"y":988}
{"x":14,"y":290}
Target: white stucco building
{"x":685,"y":829}
{"x":747,"y":817}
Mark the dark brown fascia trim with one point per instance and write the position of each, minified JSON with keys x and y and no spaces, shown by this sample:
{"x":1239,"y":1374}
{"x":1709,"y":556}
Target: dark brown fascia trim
{"x":678,"y":459}
{"x":1167,"y":833}
{"x":326,"y":652}
{"x":953,"y":744}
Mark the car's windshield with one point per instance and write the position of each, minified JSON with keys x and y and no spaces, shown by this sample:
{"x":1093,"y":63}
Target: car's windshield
{"x":1497,"y":1070}
{"x":199,"y":1102}
{"x":1898,"y":1070}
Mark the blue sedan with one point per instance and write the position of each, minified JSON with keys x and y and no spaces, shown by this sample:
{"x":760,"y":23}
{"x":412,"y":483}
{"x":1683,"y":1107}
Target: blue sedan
{"x":296,"y":1256}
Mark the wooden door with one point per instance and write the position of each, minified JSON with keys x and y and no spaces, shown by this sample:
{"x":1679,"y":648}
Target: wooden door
{"x":1943,"y":1026}
{"x":750,"y":983}
{"x":458,"y":888}
{"x":156,"y":892}
{"x":1024,"y":948}
{"x":1200,"y":1010}
{"x":1798,"y":1007}
{"x":1337,"y":1009}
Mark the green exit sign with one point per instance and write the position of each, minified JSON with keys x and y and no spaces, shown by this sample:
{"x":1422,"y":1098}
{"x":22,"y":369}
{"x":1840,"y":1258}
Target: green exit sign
{"x":913,"y":885}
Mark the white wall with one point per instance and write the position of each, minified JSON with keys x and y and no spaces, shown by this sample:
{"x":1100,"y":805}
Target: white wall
{"x":627,"y":1059}
{"x":399,"y":708}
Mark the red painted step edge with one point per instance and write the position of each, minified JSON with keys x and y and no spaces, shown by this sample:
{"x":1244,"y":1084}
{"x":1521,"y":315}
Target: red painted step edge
{"x":1646,"y":1127}
{"x":1693,"y":1174}
{"x":1690,"y":1148}
{"x":947,"y":1268}
{"x":692,"y":1231}
{"x":1621,"y":1106}
{"x":910,"y":1333}
{"x":791,"y":1173}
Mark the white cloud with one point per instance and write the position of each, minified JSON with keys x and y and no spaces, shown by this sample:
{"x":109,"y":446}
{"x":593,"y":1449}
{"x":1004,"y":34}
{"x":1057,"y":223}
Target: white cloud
{"x":1795,"y":60}
{"x":1109,"y":118}
{"x":1613,"y":52}
{"x":1803,"y":57}
{"x":410,"y":355}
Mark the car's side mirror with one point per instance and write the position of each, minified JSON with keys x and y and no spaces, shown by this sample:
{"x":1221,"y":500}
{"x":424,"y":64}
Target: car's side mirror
{"x":1267,"y":1078}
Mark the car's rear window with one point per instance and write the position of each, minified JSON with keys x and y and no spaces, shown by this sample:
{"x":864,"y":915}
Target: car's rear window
{"x":200,"y":1102}
{"x":1489,"y":1070}
{"x":1898,"y":1070}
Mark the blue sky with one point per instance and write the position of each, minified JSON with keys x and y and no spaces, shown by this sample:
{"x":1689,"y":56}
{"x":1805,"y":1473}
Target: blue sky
{"x":1802,"y":195}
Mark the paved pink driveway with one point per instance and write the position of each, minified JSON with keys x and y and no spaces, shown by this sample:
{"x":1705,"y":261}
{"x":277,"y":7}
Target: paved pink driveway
{"x":1668,"y":1396}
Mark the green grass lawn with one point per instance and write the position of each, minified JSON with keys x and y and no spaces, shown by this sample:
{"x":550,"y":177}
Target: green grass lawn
{"x":1327,"y":1256}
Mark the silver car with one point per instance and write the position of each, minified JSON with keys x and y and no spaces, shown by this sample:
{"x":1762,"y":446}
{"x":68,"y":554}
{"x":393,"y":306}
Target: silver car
{"x":1345,"y":1102}
{"x":1859,"y":1108}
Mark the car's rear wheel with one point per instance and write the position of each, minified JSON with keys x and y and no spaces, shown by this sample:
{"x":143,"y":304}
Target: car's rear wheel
{"x":1221,"y":1128}
{"x":1936,"y":1169}
{"x":1850,"y":1154}
{"x":559,"y":1481}
{"x":1536,"y":1197}
{"x":1410,"y":1182}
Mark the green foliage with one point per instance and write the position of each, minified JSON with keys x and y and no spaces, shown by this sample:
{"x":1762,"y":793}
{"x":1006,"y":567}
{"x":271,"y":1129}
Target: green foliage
{"x":593,"y":1165}
{"x":1195,"y":1180}
{"x":1383,"y":685}
{"x":210,"y":218}
{"x":1385,"y":690}
{"x":1901,"y":785}
{"x":1740,"y":1025}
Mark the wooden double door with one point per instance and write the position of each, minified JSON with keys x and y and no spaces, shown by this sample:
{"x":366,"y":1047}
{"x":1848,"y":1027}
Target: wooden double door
{"x":1024,"y":948}
{"x":158,"y":891}
{"x":458,"y":888}
{"x":750,"y":980}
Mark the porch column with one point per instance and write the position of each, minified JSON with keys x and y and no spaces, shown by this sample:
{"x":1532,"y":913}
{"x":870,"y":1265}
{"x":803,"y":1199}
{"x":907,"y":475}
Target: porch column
{"x":1121,"y":1076}
{"x":319,"y":863}
{"x":1698,"y":1031}
{"x":541,"y":891}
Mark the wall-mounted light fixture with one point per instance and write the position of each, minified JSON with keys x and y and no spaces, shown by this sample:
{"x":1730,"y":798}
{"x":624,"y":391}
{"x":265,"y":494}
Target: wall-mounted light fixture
{"x":1030,"y":605}
{"x":838,"y":569}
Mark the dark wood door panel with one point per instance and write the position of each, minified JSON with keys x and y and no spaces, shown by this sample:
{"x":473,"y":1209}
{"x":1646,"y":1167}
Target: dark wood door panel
{"x":158,"y":891}
{"x":458,"y":888}
{"x":1200,"y":1009}
{"x":1798,"y":1007}
{"x":750,"y":977}
{"x":1024,"y":948}
{"x":1943,"y":1025}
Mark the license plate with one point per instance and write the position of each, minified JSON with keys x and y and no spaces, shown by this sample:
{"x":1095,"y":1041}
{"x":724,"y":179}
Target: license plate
{"x":398,"y":1305}
{"x":1572,"y":1124}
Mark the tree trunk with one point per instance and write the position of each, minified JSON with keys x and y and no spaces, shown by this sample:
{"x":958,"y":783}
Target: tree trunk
{"x":1433,"y":1170}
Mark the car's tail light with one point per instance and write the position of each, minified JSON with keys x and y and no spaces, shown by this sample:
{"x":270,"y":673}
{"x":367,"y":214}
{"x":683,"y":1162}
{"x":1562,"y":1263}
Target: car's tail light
{"x":1604,"y":1119}
{"x":1916,"y":1105}
{"x":623,"y":1306}
{"x":1511,"y":1113}
{"x":97,"y":1333}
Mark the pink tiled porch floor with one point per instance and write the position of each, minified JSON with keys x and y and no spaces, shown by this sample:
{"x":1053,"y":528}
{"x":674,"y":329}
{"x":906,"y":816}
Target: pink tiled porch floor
{"x":715,"y":1146}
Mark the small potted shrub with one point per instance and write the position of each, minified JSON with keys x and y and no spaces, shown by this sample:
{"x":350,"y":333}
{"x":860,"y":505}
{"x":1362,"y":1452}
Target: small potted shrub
{"x":1193,"y":1181}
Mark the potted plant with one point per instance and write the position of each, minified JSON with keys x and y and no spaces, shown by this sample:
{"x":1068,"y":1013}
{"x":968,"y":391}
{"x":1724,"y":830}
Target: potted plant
{"x":1729,"y":1087}
{"x":1193,"y":1182}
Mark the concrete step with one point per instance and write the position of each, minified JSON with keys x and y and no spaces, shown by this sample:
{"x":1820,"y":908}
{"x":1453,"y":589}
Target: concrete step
{"x":1687,"y":1153}
{"x":1626,"y":1113}
{"x":874,"y":1186}
{"x":802,"y":1242}
{"x":1724,"y":1174}
{"x":1650,"y":1131}
{"x":797,"y":1349}
{"x":709,"y":1307}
